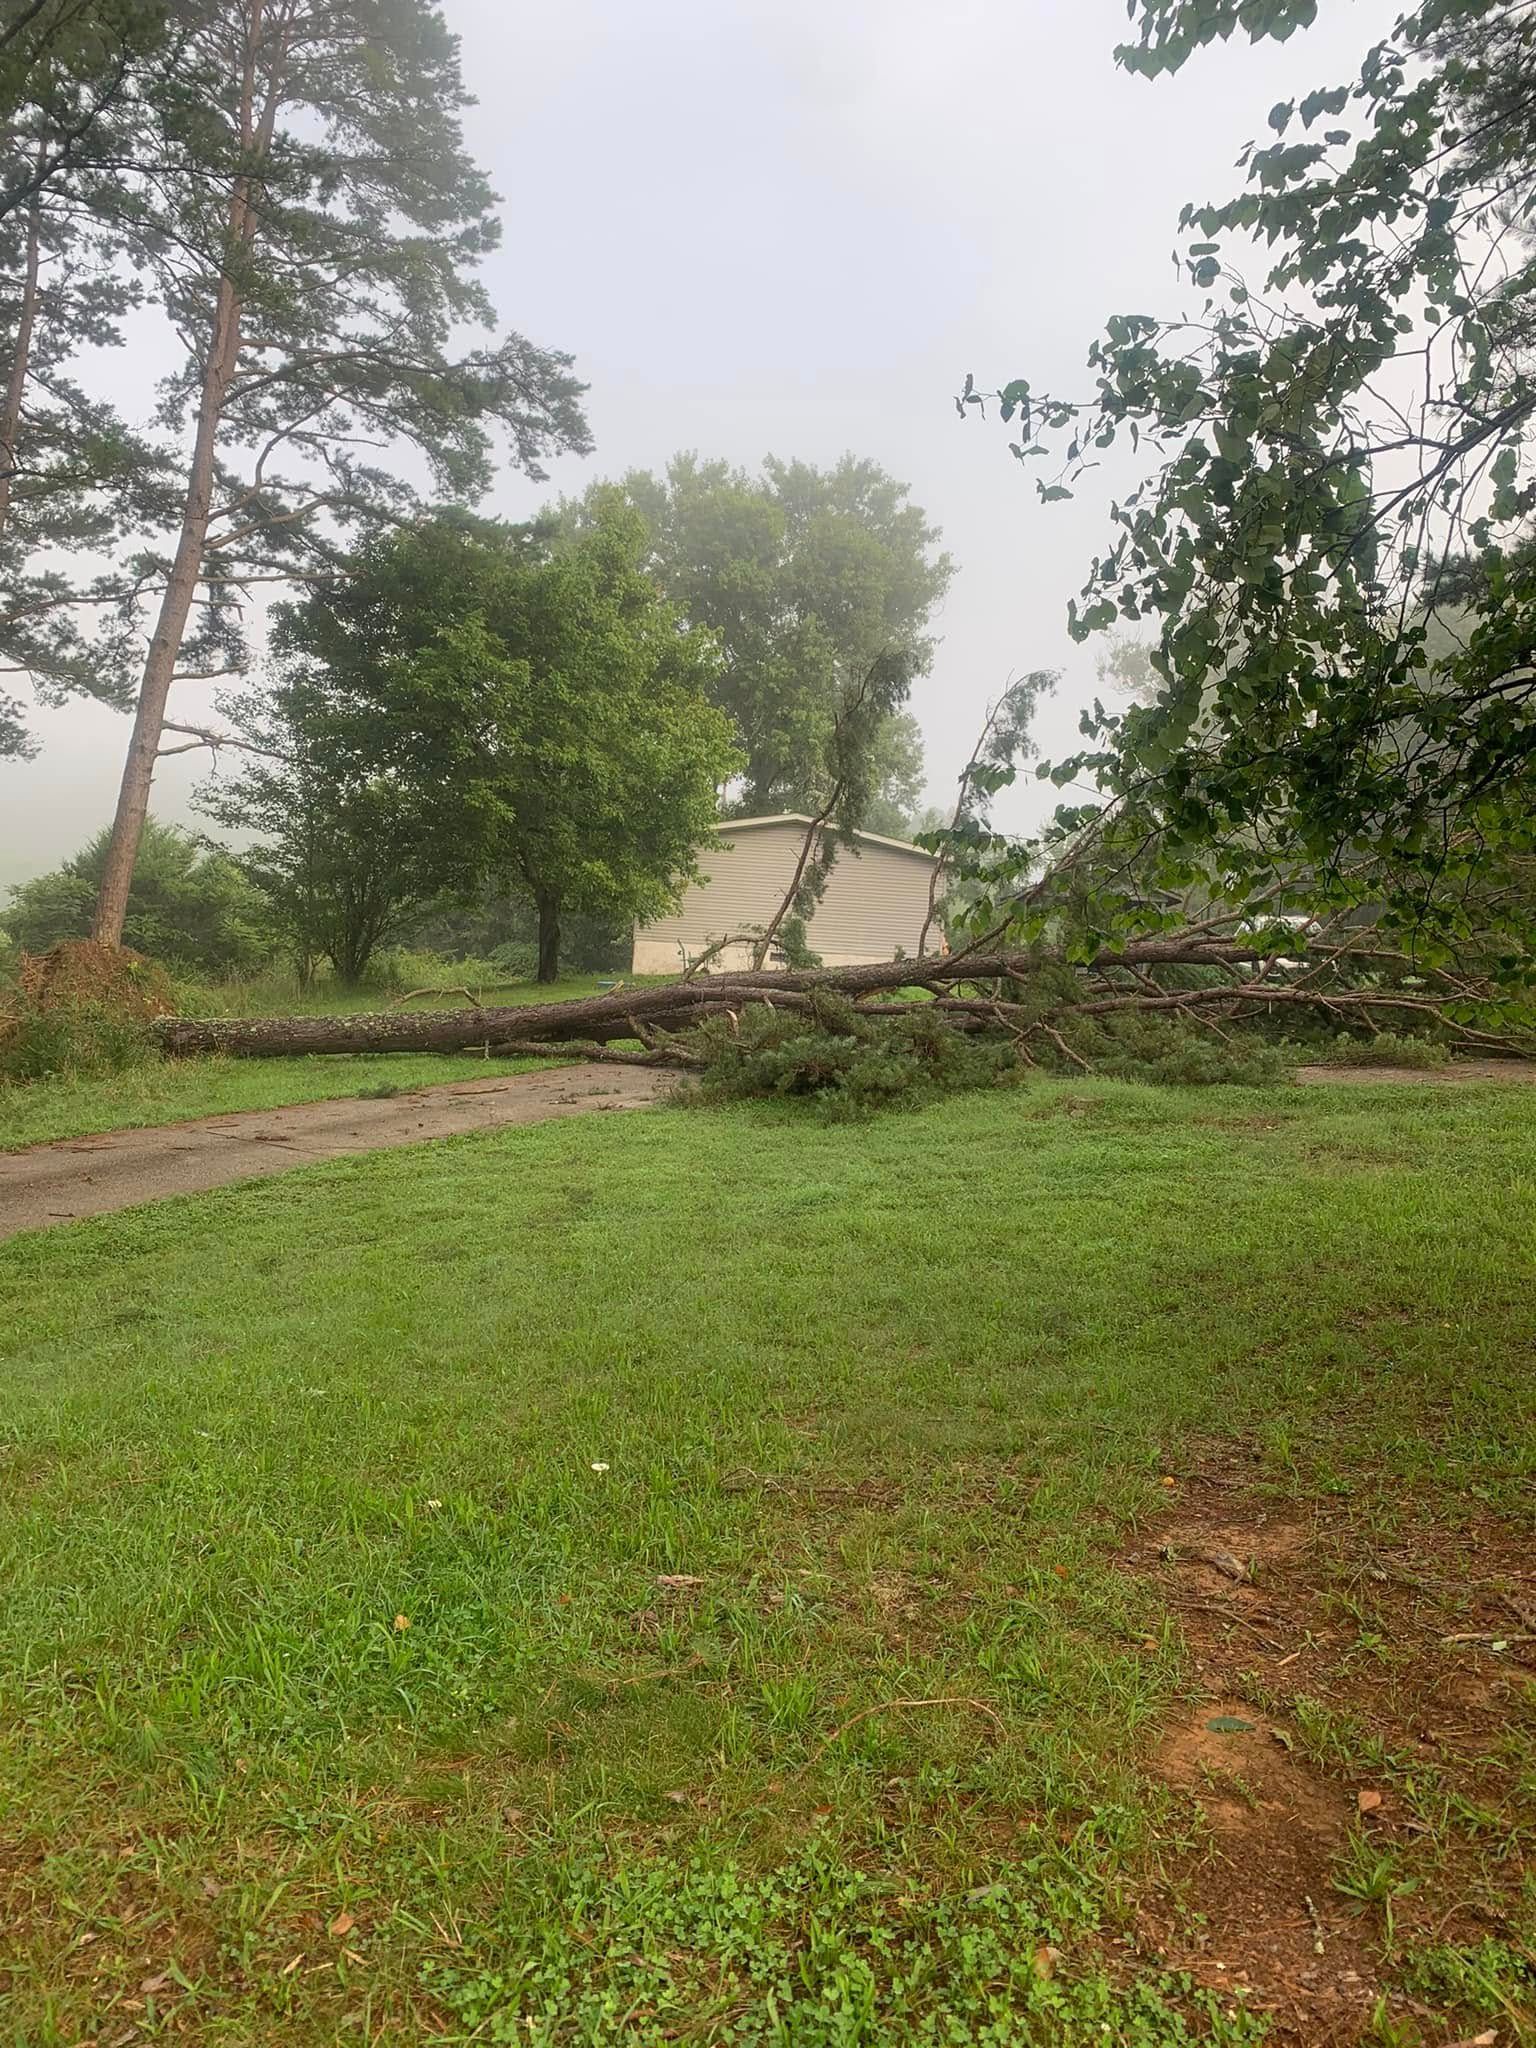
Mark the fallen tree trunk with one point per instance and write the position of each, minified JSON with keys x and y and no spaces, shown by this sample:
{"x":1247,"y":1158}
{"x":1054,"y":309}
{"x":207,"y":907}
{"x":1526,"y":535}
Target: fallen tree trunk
{"x":628,"y":1012}
{"x":988,"y":992}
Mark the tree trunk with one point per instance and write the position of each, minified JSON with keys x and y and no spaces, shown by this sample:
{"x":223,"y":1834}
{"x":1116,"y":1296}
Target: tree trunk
{"x":170,"y":627}
{"x":548,"y":906}
{"x":192,"y":543}
{"x":16,"y":383}
{"x":670,"y":1006}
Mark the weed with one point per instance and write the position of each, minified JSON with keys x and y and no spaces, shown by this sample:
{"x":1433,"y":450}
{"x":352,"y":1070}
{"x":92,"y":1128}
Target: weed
{"x":1493,"y":1981}
{"x":816,"y":1953}
{"x":83,"y":1041}
{"x":1388,"y":2030}
{"x":1372,"y":1876}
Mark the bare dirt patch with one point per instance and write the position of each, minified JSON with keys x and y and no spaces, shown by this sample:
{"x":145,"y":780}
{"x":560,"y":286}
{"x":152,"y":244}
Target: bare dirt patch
{"x":1356,"y":1756}
{"x":1276,"y":1828}
{"x":1347,"y":1073}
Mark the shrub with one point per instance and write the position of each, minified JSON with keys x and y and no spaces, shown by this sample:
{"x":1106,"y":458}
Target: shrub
{"x":80,"y":1008}
{"x":189,"y":904}
{"x":399,"y":968}
{"x":40,"y":1045}
{"x":516,"y":960}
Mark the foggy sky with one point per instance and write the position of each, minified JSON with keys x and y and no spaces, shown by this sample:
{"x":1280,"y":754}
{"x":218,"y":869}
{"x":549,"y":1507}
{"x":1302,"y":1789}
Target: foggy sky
{"x":791,"y":227}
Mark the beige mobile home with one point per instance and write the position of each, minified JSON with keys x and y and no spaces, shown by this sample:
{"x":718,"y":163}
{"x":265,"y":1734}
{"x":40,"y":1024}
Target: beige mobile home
{"x":875,"y":903}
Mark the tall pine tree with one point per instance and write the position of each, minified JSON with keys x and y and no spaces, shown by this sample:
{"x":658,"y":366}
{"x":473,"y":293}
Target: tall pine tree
{"x":312,"y":228}
{"x":77,"y":87}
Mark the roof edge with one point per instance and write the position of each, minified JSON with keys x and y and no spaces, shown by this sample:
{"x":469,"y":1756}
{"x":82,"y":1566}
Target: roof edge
{"x":800,"y":818}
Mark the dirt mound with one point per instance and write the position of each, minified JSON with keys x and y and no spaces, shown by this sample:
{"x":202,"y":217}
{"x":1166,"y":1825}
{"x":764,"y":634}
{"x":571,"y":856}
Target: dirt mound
{"x":81,"y":974}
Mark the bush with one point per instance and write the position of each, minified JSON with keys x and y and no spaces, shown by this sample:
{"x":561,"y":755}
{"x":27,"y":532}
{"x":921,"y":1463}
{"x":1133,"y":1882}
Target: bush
{"x":504,"y":929}
{"x":68,"y":1043}
{"x":189,"y":905}
{"x":516,"y":960}
{"x":400,"y":968}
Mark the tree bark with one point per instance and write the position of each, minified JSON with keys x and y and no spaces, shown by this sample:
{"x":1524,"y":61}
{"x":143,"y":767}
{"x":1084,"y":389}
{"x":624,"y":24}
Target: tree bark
{"x":16,"y":383}
{"x":548,"y":907}
{"x":669,"y":1006}
{"x":192,"y":542}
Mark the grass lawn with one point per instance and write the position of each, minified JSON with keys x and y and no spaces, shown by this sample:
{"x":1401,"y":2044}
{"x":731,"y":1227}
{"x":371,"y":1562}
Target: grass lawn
{"x":163,"y":1092}
{"x":699,"y":1576}
{"x":169,"y":1091}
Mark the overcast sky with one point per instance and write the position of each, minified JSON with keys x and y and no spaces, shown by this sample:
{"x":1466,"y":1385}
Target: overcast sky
{"x":791,"y":227}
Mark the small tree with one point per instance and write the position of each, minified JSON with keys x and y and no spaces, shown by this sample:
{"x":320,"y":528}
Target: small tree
{"x":191,"y":905}
{"x":524,"y":707}
{"x":334,"y":849}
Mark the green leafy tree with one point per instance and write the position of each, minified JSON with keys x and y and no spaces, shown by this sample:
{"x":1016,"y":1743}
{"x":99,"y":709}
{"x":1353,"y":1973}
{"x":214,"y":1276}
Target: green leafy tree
{"x":333,"y":848}
{"x":1334,"y":550}
{"x":897,"y":776}
{"x":191,"y":905}
{"x":77,"y":85}
{"x":533,"y":707}
{"x":819,"y":586}
{"x":311,"y":229}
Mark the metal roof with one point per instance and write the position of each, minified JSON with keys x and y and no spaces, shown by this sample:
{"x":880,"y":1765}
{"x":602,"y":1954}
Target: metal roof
{"x":800,"y":818}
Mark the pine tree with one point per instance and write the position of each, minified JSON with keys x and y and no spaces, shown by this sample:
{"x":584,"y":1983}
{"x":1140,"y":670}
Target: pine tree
{"x":312,"y":233}
{"x":76,"y":88}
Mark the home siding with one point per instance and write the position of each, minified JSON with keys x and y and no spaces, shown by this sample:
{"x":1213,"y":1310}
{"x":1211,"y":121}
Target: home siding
{"x":875,"y":902}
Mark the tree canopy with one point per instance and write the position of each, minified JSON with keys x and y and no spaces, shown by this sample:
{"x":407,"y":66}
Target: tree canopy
{"x":512,"y":705}
{"x":819,"y":586}
{"x":335,"y":851}
{"x":293,"y":194}
{"x":78,"y":86}
{"x":1333,"y":551}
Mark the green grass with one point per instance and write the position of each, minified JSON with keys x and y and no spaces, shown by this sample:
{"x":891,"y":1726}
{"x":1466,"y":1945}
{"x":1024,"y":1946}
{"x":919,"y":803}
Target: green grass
{"x":167,"y":1091}
{"x":336,"y":1510}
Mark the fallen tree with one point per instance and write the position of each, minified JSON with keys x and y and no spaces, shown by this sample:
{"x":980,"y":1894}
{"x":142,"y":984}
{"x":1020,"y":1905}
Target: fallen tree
{"x":1030,"y":997}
